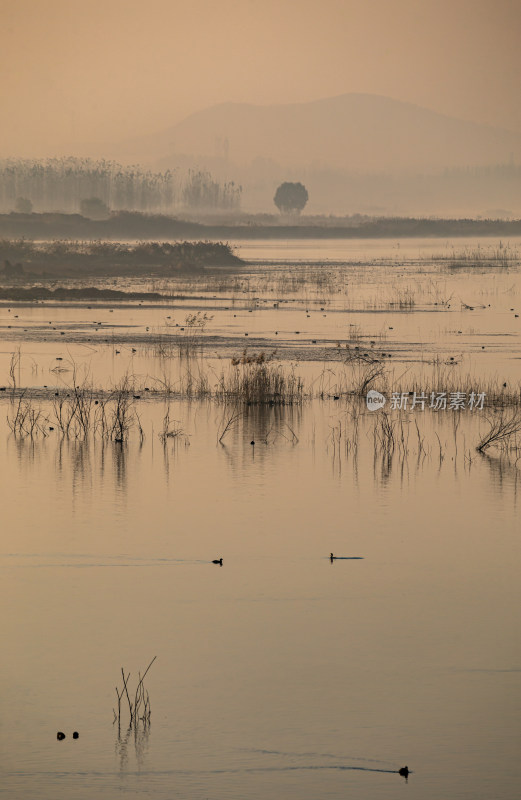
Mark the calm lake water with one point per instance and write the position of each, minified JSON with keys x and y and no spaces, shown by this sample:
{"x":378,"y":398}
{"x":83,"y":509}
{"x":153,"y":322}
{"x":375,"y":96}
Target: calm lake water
{"x":281,"y":673}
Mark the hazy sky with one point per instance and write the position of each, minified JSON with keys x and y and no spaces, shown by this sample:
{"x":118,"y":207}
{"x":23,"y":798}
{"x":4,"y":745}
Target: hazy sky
{"x":105,"y":70}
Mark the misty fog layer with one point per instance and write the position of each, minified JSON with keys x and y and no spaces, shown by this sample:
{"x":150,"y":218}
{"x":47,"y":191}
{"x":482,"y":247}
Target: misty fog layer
{"x":355,"y":153}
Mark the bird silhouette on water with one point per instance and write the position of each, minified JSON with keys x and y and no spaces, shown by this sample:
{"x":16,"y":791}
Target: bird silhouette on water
{"x":218,"y":561}
{"x":344,"y":558}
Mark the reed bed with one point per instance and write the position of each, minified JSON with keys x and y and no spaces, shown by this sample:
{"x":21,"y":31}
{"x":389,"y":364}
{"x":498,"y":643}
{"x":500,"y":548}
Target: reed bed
{"x":504,"y":255}
{"x":77,"y":413}
{"x":445,"y":377}
{"x":281,"y":280}
{"x":185,"y":340}
{"x":82,"y":411}
{"x":389,"y":434}
{"x":260,"y":382}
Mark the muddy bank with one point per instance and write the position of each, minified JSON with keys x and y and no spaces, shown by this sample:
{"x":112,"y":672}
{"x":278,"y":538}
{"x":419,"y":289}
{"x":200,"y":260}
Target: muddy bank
{"x":20,"y":294}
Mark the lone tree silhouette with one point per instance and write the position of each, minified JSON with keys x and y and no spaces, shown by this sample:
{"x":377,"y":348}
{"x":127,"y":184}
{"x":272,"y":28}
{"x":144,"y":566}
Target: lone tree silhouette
{"x":23,"y":205}
{"x":94,"y":208}
{"x":291,"y":197}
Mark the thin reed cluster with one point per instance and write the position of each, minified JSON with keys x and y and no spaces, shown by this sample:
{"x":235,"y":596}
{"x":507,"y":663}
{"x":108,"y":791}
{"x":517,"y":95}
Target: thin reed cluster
{"x":139,"y":704}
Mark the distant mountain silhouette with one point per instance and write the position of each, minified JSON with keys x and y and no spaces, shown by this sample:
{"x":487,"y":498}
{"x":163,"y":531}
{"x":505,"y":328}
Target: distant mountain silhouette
{"x":352,"y":131}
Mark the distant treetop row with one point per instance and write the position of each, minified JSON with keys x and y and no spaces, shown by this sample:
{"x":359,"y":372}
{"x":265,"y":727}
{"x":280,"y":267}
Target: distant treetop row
{"x":94,"y":188}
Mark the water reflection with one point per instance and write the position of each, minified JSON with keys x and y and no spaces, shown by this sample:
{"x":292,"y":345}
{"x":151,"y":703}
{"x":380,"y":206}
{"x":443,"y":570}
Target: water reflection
{"x":173,"y":435}
{"x":382,"y":468}
{"x":269,"y":423}
{"x":136,"y":737}
{"x":350,"y":444}
{"x":504,"y":473}
{"x":27,"y":450}
{"x":81,"y":465}
{"x":119,"y":460}
{"x":255,"y":430}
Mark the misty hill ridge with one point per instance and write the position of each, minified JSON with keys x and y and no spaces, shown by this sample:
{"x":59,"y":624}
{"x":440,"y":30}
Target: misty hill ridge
{"x":351,"y":131}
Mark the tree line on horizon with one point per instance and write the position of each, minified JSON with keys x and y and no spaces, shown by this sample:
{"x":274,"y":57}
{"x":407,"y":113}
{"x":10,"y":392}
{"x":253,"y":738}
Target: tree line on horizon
{"x":87,"y":186}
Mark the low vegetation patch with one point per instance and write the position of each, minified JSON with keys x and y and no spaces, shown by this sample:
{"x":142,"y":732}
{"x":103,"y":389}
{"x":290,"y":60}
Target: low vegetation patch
{"x":23,"y":258}
{"x":257,"y":380}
